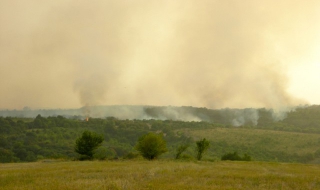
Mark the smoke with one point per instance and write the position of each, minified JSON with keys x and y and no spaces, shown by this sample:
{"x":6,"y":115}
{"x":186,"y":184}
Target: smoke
{"x":207,"y":53}
{"x":234,"y":117}
{"x":245,"y":116}
{"x":173,"y":113}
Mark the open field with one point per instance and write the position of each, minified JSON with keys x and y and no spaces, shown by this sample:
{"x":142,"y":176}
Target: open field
{"x":158,"y":175}
{"x":300,"y":143}
{"x":264,"y":145}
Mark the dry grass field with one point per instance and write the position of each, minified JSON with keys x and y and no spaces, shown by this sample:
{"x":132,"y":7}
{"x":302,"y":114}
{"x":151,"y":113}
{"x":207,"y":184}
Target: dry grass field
{"x":160,"y":174}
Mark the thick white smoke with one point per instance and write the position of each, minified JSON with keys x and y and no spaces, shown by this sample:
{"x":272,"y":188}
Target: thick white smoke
{"x":206,"y":53}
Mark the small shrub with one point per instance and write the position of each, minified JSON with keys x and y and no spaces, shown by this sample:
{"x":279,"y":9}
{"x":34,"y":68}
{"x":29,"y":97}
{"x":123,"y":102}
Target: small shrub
{"x":132,"y":155}
{"x":202,"y":147}
{"x":235,"y":157}
{"x":187,"y":157}
{"x":103,"y":153}
{"x":180,"y":150}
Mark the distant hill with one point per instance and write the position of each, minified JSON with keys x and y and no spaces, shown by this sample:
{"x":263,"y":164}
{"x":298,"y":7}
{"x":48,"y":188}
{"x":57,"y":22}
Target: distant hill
{"x":302,"y":116}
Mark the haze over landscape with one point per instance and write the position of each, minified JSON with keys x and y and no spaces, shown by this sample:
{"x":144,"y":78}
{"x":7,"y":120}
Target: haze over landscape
{"x":215,"y":54}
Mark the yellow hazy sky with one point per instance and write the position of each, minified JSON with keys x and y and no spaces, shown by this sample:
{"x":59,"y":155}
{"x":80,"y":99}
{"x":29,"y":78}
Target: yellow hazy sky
{"x":210,"y":53}
{"x":305,"y":81}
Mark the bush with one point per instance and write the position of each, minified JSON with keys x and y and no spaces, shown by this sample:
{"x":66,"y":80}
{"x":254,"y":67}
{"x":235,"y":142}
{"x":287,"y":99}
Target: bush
{"x":187,"y":157}
{"x":235,"y":157}
{"x":132,"y":155}
{"x":180,"y":150}
{"x":87,"y":143}
{"x":103,"y":153}
{"x":151,"y":145}
{"x":202,"y":147}
{"x":7,"y":156}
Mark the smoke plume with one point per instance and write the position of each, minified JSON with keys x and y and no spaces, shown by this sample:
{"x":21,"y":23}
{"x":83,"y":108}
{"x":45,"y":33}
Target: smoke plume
{"x":213,"y":54}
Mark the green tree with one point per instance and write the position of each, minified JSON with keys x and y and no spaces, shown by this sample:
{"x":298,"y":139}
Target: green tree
{"x":202,"y":146}
{"x":40,"y":122}
{"x":180,"y":150}
{"x":151,"y":145}
{"x":87,"y":143}
{"x":7,"y":155}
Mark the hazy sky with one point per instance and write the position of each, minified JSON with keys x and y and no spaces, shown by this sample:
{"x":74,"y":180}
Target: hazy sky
{"x":209,"y":53}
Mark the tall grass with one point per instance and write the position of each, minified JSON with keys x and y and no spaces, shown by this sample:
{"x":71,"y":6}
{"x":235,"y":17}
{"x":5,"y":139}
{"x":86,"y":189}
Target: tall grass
{"x":158,"y":175}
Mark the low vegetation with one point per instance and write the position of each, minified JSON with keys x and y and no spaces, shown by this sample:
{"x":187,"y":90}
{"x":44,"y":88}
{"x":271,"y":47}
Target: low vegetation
{"x":235,"y":157}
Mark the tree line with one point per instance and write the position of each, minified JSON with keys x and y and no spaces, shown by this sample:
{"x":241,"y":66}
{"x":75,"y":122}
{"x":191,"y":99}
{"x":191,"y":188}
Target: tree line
{"x":31,"y":139}
{"x":150,"y":146}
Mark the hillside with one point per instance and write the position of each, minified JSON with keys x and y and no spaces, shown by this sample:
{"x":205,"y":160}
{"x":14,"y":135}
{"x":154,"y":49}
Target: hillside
{"x":293,"y":139}
{"x":262,"y":145}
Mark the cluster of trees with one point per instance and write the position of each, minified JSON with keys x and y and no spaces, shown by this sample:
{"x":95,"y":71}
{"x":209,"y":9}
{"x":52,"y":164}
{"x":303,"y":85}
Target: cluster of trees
{"x":150,"y":146}
{"x":153,"y":145}
{"x":25,"y":139}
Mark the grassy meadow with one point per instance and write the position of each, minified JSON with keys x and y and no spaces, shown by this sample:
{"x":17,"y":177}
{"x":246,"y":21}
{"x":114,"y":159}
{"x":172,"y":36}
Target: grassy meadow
{"x":161,"y":174}
{"x":265,"y":145}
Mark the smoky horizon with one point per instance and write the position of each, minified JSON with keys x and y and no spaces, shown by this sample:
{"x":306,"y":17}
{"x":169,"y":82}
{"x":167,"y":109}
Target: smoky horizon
{"x":214,"y":54}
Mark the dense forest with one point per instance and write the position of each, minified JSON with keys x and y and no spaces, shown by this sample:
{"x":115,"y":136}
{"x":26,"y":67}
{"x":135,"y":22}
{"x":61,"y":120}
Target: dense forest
{"x":293,"y":137}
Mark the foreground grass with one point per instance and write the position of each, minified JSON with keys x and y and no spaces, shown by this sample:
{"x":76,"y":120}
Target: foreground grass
{"x":158,"y":175}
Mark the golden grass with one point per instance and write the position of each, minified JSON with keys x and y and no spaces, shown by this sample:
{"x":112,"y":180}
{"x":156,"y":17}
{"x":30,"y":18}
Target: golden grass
{"x":158,"y":175}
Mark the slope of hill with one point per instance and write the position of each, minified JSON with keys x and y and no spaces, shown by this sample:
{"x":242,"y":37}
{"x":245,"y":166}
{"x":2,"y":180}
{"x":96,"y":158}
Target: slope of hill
{"x":293,"y":139}
{"x":263,"y":145}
